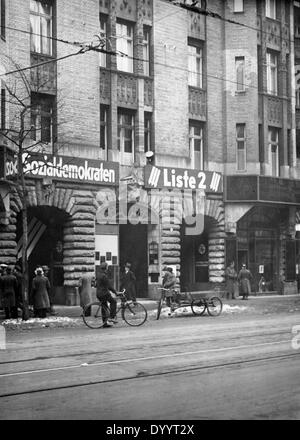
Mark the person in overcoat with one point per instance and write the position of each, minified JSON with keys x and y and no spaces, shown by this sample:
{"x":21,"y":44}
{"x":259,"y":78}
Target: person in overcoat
{"x":244,"y":278}
{"x":40,"y":294}
{"x":231,"y":280}
{"x":86,"y":282}
{"x":103,"y":292}
{"x":8,"y":290}
{"x":129,"y":283}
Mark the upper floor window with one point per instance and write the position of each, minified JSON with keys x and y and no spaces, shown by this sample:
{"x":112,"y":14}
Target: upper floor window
{"x":195,"y":65}
{"x":147,"y":132}
{"x":124,"y":34}
{"x":271,"y":9}
{"x":103,"y":36}
{"x":238,"y":5}
{"x":146,"y":51}
{"x":240,"y":147}
{"x":196,"y":144}
{"x":126,"y":136}
{"x":273,"y":135}
{"x":2,"y":18}
{"x":42,"y":118}
{"x":240,"y":73}
{"x":103,"y":127}
{"x":272,"y":71}
{"x":41,"y":27}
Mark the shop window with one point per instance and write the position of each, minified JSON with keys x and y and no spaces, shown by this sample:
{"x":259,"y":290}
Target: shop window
{"x":41,"y":22}
{"x":124,"y":34}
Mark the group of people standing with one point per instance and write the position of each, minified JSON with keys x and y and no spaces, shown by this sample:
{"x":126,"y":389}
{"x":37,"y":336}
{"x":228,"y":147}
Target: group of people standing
{"x":238,"y":283}
{"x":11,"y":291}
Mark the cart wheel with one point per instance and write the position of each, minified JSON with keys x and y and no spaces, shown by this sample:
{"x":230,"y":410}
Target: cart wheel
{"x":214,"y":306}
{"x":198,"y":307}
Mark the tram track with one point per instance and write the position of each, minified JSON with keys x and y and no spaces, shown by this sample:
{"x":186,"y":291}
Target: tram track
{"x":141,"y":374}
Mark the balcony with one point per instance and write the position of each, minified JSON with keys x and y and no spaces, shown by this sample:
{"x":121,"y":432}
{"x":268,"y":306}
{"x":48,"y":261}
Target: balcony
{"x":197,"y":103}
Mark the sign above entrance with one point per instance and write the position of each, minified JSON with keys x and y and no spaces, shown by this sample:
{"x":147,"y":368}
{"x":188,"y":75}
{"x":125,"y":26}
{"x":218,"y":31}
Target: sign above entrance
{"x":179,"y":178}
{"x":66,"y":168}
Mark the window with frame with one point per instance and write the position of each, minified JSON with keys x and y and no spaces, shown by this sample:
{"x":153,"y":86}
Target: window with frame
{"x":3,"y":108}
{"x":124,"y":35}
{"x":196,"y":129}
{"x":147,"y":131}
{"x":146,"y":50}
{"x":41,"y":22}
{"x":104,"y":127}
{"x":240,"y":73}
{"x":272,"y":73}
{"x":241,"y":147}
{"x":271,"y":9}
{"x":195,"y":65}
{"x":2,"y":18}
{"x":273,"y":135}
{"x":103,"y":35}
{"x":238,"y":5}
{"x":126,"y":135}
{"x":42,"y":112}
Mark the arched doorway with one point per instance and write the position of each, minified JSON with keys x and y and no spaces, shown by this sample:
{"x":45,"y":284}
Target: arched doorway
{"x":45,"y":245}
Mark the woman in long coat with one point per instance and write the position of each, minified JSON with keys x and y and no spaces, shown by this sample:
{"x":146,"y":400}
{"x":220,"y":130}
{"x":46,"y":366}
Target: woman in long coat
{"x":40,"y":294}
{"x":244,"y":278}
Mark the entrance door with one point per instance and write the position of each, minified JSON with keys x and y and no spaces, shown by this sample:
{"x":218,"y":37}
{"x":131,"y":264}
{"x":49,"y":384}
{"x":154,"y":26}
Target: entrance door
{"x":133,"y":249}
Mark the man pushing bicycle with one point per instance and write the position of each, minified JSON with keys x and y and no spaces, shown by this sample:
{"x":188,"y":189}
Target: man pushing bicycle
{"x":103,"y":291}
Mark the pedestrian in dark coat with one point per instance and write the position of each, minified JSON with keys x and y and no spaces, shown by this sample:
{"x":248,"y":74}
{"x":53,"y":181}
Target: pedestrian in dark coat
{"x":40,"y":294}
{"x":8,"y":289}
{"x":18,"y":275}
{"x":129,"y":283}
{"x":231,"y":280}
{"x":86,"y":282}
{"x":104,"y":289}
{"x":244,"y":277}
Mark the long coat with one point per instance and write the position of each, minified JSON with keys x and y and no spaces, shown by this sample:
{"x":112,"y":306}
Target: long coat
{"x":244,"y":278}
{"x":85,"y":289}
{"x":8,"y":289}
{"x":129,"y":283}
{"x":40,"y":292}
{"x":231,"y":280}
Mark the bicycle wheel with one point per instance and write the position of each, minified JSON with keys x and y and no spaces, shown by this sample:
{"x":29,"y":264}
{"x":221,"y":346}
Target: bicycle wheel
{"x":214,"y":306}
{"x":92,"y":315}
{"x":198,"y":307}
{"x":159,"y":307}
{"x":134,"y":314}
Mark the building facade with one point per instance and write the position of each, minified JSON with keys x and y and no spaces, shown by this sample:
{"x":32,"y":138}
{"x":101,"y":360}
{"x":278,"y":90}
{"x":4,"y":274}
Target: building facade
{"x":170,"y":139}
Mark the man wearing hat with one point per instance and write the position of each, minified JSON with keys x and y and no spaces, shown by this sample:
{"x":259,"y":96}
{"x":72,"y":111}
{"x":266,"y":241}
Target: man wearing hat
{"x":103,"y":294}
{"x":244,"y":278}
{"x":8,"y":288}
{"x":129,"y":283}
{"x":169,"y":282}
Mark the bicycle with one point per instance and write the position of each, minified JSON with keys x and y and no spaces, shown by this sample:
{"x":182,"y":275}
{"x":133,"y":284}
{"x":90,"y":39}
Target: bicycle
{"x":133,"y":313}
{"x":213,"y":305}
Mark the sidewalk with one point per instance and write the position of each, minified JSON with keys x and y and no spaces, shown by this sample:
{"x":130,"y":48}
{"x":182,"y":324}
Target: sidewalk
{"x":70,"y":316}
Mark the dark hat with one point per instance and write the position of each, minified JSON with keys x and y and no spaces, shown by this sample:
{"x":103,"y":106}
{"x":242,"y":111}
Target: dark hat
{"x":169,"y":269}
